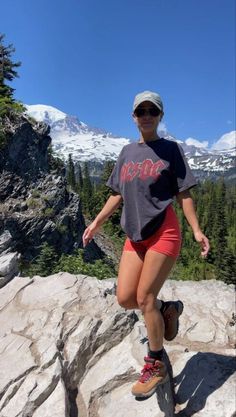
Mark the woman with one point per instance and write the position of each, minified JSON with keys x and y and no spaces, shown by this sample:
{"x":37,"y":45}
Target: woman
{"x":146,"y":178}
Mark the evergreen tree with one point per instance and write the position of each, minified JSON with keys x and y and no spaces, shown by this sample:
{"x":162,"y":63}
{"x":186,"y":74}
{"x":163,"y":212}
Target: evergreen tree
{"x":107,"y":170}
{"x":7,"y":68}
{"x":45,"y":262}
{"x":80,"y":182}
{"x":112,"y":226}
{"x":7,"y":73}
{"x":87,"y":193}
{"x":54,"y":162}
{"x":71,"y":173}
{"x":87,"y":184}
{"x":225,"y":267}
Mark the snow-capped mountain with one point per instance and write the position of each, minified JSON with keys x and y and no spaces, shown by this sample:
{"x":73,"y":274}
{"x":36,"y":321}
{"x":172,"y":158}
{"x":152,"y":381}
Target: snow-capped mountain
{"x":71,"y":136}
{"x":85,"y":143}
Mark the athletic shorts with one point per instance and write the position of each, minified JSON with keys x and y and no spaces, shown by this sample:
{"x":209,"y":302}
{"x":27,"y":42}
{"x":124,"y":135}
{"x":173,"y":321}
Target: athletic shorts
{"x":166,"y":240}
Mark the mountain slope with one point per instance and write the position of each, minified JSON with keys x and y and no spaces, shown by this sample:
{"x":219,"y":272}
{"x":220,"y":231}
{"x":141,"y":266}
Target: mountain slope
{"x":70,"y":135}
{"x":86,"y":143}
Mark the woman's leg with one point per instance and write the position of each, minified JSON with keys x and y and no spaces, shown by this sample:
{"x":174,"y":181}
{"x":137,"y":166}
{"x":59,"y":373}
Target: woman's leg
{"x":155,"y":270}
{"x":130,"y":268}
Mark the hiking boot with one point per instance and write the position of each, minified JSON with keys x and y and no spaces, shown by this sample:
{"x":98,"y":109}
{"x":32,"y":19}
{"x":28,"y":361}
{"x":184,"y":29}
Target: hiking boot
{"x":171,"y":310}
{"x":154,"y":373}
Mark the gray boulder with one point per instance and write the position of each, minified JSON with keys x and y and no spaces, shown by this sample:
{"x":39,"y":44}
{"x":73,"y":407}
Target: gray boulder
{"x":9,"y":267}
{"x":9,"y":261}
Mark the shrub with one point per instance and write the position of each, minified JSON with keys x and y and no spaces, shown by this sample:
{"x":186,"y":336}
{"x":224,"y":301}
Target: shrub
{"x":48,"y":212}
{"x":32,"y":202}
{"x":75,"y":264}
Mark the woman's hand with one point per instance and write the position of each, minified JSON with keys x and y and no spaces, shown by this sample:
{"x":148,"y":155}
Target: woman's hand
{"x":108,"y":209}
{"x":89,"y":233}
{"x":204,"y":242}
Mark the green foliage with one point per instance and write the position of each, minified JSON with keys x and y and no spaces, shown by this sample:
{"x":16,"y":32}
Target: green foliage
{"x":55,"y":163}
{"x":61,"y":228}
{"x":80,"y":182}
{"x":9,"y":108}
{"x":8,"y":105}
{"x":48,"y":212}
{"x":97,"y":200}
{"x":44,"y":263}
{"x":48,"y":262}
{"x":71,"y":173}
{"x":7,"y":71}
{"x":215,"y":206}
{"x":3,"y":137}
{"x":35,"y":193}
{"x":45,"y":198}
{"x":75,"y":264}
{"x":32,"y":202}
{"x":87,"y":191}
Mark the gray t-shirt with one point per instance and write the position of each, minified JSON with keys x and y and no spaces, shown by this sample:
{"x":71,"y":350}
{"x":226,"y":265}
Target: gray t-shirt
{"x":148,"y":176}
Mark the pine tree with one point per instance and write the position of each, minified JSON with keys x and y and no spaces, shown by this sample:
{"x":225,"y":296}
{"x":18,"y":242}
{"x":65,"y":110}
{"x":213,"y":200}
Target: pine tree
{"x":7,"y":68}
{"x":87,"y":193}
{"x":7,"y":73}
{"x":80,"y":182}
{"x":71,"y":173}
{"x":107,"y":170}
{"x":45,"y":262}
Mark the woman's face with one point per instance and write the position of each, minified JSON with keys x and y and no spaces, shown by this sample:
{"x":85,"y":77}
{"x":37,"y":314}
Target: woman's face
{"x":146,"y":122}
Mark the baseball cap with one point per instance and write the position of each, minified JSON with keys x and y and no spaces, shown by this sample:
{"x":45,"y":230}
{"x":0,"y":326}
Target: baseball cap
{"x":148,"y":96}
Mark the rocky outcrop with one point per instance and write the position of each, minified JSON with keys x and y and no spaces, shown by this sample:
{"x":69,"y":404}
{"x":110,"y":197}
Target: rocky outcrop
{"x":9,"y":261}
{"x":68,"y":349}
{"x":25,"y":155}
{"x":35,"y":205}
{"x":8,"y":267}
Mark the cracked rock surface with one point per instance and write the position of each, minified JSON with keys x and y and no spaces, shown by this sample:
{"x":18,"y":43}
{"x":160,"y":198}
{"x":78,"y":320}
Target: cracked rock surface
{"x":67,"y":349}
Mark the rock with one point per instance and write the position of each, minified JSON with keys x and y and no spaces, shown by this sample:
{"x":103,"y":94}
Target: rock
{"x":36,"y":206}
{"x":67,"y":348}
{"x":230,"y":329}
{"x":9,"y":267}
{"x":5,"y":241}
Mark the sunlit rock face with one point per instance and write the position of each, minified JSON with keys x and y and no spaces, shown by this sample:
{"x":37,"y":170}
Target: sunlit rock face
{"x":35,"y":204}
{"x":68,"y":349}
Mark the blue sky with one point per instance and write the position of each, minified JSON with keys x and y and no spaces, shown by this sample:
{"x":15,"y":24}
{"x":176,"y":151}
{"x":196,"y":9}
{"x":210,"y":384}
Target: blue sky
{"x":89,"y":58}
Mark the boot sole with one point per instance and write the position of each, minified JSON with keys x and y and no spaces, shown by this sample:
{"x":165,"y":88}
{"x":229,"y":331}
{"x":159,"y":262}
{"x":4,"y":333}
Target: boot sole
{"x":179,"y":309}
{"x":151,"y":392}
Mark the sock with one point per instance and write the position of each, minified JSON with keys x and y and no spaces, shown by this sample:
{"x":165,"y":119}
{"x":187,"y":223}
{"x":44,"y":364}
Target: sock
{"x":156,"y":354}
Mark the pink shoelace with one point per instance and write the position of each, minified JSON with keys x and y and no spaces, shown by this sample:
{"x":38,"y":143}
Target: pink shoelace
{"x":147,"y":372}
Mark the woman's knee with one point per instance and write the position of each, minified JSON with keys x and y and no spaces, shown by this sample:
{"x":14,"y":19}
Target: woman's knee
{"x":126,"y":300}
{"x":146,"y":302}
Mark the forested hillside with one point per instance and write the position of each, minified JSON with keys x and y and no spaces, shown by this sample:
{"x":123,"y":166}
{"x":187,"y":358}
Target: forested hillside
{"x":215,"y":205}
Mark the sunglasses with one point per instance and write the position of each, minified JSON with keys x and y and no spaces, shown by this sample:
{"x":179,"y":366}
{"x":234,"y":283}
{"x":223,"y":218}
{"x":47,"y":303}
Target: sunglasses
{"x":152,"y":111}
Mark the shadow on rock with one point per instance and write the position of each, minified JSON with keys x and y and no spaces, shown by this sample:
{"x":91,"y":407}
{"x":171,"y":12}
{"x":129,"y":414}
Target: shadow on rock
{"x":165,"y":393}
{"x":202,"y":375}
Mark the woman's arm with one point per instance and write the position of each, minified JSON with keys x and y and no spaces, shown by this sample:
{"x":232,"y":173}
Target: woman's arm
{"x":185,"y":201}
{"x":108,"y":209}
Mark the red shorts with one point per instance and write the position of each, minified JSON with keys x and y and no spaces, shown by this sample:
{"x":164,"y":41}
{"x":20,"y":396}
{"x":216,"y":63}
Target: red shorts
{"x":166,"y":240}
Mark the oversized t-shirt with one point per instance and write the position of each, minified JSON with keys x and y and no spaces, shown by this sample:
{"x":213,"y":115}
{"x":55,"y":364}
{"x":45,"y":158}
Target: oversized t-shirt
{"x":148,"y":175}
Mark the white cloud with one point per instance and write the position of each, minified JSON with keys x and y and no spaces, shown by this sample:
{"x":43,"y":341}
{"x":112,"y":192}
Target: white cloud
{"x":197,"y":143}
{"x":162,"y":129}
{"x":226,"y":141}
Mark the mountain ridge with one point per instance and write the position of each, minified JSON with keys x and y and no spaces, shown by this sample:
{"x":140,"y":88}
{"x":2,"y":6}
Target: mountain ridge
{"x":72,"y":136}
